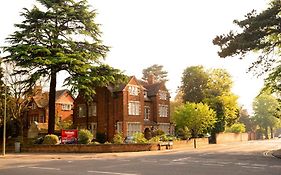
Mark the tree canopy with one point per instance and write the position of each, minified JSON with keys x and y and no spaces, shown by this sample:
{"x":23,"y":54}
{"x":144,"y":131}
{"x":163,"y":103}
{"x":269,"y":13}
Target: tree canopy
{"x":57,"y":35}
{"x":160,"y":75}
{"x":260,"y":33}
{"x":198,"y":118}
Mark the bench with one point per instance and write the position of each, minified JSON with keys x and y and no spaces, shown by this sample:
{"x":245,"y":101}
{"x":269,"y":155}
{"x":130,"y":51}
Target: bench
{"x":168,"y":145}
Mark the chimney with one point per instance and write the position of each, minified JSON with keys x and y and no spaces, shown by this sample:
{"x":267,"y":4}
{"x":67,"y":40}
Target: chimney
{"x":151,"y":79}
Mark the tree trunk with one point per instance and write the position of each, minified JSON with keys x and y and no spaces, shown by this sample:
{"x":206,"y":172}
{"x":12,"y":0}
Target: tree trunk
{"x":52,"y":103}
{"x":271,"y":133}
{"x":87,"y":115}
{"x":266,"y":133}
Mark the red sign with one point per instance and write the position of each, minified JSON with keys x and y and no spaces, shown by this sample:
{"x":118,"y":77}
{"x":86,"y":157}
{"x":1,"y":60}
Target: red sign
{"x":69,"y":136}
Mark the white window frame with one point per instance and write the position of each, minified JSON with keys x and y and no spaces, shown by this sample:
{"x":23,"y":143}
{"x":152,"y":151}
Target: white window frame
{"x":163,"y":110}
{"x":133,"y":127}
{"x":165,"y":127}
{"x":66,"y":107}
{"x":134,"y":108}
{"x":133,"y":90}
{"x":145,"y":94}
{"x":119,"y":127}
{"x":146,"y":113}
{"x":162,"y":95}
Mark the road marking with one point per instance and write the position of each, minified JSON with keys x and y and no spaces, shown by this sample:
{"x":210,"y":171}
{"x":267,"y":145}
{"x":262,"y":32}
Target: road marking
{"x":253,"y":167}
{"x":44,"y":168}
{"x":181,"y":159}
{"x":275,"y":166}
{"x":244,"y":164}
{"x":104,"y":172}
{"x":259,"y":165}
{"x":211,"y":164}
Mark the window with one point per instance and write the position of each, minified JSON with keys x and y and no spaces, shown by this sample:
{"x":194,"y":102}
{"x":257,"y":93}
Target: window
{"x":165,"y":127}
{"x":92,"y":109}
{"x":81,"y":110}
{"x":33,"y":106}
{"x":163,"y":110}
{"x":93,"y":129}
{"x":133,"y":90}
{"x":134,"y":108}
{"x":145,"y":94}
{"x":119,"y":127}
{"x":133,"y":127}
{"x":163,"y":95}
{"x":66,"y":107}
{"x":146,"y":112}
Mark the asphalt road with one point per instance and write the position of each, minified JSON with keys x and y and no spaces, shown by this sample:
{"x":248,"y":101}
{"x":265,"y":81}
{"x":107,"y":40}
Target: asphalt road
{"x":247,"y":158}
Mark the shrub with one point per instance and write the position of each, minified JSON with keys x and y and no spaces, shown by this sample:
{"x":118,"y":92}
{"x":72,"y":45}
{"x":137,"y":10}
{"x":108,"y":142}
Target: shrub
{"x":184,"y":133}
{"x":139,"y":138}
{"x":236,"y":128}
{"x":118,"y":138}
{"x":155,"y":139}
{"x":101,"y":137}
{"x":85,"y":136}
{"x":51,"y":139}
{"x":158,"y":132}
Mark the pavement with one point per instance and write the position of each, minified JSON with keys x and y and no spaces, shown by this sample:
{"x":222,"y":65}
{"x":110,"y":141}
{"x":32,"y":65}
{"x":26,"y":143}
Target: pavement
{"x":277,"y":153}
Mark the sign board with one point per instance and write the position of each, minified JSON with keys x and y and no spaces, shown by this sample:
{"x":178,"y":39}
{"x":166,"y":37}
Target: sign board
{"x":69,"y":136}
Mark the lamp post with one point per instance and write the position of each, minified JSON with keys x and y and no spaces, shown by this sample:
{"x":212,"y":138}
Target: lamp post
{"x":4,"y":128}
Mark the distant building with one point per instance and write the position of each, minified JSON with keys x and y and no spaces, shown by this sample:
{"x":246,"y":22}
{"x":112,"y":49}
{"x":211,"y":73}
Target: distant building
{"x":135,"y":106}
{"x":38,"y":108}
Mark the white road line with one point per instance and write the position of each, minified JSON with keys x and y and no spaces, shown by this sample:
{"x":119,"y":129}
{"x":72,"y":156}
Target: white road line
{"x":244,"y":164}
{"x":181,"y":159}
{"x":211,"y":164}
{"x":44,"y":168}
{"x":275,"y":166}
{"x":253,"y":167}
{"x":259,"y":165}
{"x":104,"y":172}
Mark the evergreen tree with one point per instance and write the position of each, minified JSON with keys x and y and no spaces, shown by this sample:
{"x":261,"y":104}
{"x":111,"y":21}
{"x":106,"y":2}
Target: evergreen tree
{"x":56,"y":35}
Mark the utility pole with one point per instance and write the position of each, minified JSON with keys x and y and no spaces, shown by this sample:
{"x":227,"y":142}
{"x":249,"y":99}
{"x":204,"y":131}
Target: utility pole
{"x":4,"y":129}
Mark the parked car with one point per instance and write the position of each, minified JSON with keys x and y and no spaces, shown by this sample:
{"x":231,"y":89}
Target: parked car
{"x":279,"y":136}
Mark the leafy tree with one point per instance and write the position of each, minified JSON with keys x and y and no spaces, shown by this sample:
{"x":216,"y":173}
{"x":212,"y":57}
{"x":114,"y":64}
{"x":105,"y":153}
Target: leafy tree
{"x":194,"y":83}
{"x":247,"y":120}
{"x":219,"y":97}
{"x":160,"y":75}
{"x":197,"y":117}
{"x":260,"y":33}
{"x":54,"y":36}
{"x":265,"y":107}
{"x":236,"y":128}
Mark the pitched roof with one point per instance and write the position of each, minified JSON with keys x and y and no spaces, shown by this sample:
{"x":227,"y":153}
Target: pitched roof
{"x":42,"y":99}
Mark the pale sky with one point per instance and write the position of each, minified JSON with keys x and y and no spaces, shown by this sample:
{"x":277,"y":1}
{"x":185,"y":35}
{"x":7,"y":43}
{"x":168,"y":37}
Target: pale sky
{"x":173,"y":33}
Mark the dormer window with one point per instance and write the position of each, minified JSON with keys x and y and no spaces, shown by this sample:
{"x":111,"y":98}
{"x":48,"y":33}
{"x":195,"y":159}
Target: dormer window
{"x":133,"y":90}
{"x":163,"y":95}
{"x":145,"y":94}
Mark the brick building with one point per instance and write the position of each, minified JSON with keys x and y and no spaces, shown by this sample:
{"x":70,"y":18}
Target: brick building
{"x":132,"y":107}
{"x":39,"y":107}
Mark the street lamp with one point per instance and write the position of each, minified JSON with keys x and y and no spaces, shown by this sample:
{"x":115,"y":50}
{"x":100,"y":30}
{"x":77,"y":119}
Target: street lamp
{"x":4,"y":121}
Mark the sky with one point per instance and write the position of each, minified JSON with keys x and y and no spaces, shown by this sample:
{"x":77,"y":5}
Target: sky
{"x":173,"y":33}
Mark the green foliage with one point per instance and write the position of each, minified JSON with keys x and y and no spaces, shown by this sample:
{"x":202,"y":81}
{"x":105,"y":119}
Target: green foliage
{"x":139,"y":138}
{"x":51,"y":139}
{"x":44,"y":45}
{"x":155,"y":139}
{"x":101,"y":137}
{"x":118,"y":138}
{"x":259,"y":33}
{"x":158,"y":132}
{"x":85,"y":136}
{"x":183,"y":133}
{"x":194,"y":82}
{"x":198,"y":117}
{"x":265,"y":109}
{"x":157,"y":70}
{"x":247,"y":120}
{"x":236,"y":128}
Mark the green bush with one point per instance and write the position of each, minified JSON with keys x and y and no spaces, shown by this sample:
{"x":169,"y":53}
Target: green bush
{"x":51,"y":139}
{"x":101,"y":137}
{"x":155,"y":139}
{"x":85,"y":136}
{"x":184,"y":133}
{"x":158,"y":132}
{"x":139,"y":138}
{"x":118,"y":138}
{"x":236,"y":128}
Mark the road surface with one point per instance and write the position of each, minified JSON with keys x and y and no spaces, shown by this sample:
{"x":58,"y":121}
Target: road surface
{"x":246,"y":158}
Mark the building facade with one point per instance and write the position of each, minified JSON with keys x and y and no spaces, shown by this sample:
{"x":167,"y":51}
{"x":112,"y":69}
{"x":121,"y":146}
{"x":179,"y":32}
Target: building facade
{"x":136,"y":106}
{"x":38,"y":108}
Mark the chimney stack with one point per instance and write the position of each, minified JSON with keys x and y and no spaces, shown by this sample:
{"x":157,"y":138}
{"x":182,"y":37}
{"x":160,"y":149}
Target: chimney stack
{"x":151,"y":79}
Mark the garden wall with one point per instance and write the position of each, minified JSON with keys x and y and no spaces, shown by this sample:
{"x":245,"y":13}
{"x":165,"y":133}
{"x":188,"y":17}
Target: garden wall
{"x":231,"y":137}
